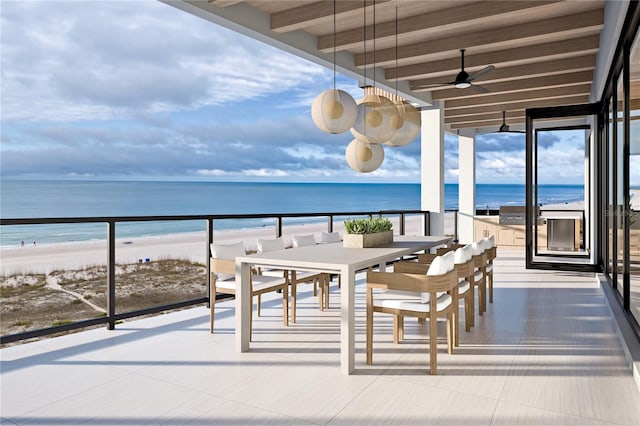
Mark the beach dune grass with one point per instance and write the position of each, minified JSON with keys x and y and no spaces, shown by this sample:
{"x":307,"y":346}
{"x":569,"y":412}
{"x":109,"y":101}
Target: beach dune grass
{"x":34,"y":301}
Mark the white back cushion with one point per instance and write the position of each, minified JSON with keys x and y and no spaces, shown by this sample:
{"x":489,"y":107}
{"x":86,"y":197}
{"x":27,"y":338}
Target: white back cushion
{"x":330,"y":237}
{"x":461,"y":256}
{"x":492,"y":241}
{"x":303,"y":240}
{"x":487,"y":243}
{"x":227,"y":251}
{"x":476,"y":248}
{"x":266,"y":244}
{"x":468,"y":250}
{"x":440,"y":265}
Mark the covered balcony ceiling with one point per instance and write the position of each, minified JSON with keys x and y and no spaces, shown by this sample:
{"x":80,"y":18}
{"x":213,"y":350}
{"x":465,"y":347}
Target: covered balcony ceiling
{"x":544,"y":52}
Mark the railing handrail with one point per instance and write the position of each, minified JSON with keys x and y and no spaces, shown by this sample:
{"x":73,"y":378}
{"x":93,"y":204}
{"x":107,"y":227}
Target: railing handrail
{"x":146,"y":218}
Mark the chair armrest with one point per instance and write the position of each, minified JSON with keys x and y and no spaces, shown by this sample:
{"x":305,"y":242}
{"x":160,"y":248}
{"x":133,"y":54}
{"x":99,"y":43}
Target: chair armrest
{"x":417,"y":283}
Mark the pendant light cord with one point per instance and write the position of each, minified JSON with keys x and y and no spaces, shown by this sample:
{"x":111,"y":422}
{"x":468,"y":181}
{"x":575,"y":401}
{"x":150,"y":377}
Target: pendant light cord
{"x":374,"y":46}
{"x":364,"y":26}
{"x":396,"y":48}
{"x":334,"y":45}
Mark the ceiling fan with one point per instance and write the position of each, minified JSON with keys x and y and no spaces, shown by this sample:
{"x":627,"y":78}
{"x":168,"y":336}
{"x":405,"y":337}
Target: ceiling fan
{"x":464,"y":79}
{"x":504,"y":128}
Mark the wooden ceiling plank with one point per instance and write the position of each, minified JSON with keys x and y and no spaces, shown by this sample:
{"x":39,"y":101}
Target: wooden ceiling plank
{"x":581,"y":23}
{"x":225,"y":3}
{"x":521,"y":85}
{"x":581,"y":89}
{"x":300,"y":17}
{"x":514,"y":122}
{"x":433,"y":20}
{"x":570,"y":100}
{"x":561,"y":49}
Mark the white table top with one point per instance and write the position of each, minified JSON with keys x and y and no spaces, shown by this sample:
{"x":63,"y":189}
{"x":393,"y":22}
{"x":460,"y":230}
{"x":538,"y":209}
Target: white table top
{"x":333,"y":256}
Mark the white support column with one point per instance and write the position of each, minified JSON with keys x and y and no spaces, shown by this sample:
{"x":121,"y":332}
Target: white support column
{"x":432,"y":161}
{"x":466,"y":185}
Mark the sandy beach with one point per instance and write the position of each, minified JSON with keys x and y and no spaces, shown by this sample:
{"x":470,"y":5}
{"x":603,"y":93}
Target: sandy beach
{"x":44,"y":258}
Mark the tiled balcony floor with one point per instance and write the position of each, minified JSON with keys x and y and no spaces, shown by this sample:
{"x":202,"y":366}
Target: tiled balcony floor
{"x":544,"y":353}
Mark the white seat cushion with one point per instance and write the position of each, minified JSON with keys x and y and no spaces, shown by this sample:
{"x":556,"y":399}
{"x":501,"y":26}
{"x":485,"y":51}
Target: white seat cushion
{"x":477,"y":276}
{"x":224,"y":277}
{"x":227,"y":251}
{"x":463,"y":286}
{"x":303,"y":240}
{"x":262,"y":282}
{"x":330,"y":237}
{"x":489,"y":267}
{"x":302,"y":275}
{"x":265,"y":244}
{"x":259,"y":282}
{"x":407,"y":303}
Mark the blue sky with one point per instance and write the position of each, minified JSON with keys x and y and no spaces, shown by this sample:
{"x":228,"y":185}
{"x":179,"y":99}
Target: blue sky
{"x":141,"y":90}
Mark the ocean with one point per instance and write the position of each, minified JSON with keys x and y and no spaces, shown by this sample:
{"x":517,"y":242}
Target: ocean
{"x":39,"y":199}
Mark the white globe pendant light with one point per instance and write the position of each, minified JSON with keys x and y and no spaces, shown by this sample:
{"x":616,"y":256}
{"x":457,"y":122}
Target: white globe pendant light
{"x":406,"y":124}
{"x":373,"y":122}
{"x":334,"y":111}
{"x":364,"y":157}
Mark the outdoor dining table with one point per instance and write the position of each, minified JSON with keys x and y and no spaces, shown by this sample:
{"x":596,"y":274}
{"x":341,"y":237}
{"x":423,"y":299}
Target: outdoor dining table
{"x":329,"y":258}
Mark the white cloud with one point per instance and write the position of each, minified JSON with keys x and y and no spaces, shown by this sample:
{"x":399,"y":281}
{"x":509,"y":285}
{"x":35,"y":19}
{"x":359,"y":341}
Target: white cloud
{"x":68,"y":61}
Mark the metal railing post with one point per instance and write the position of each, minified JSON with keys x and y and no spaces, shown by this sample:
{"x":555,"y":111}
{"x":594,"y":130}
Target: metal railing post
{"x":330,"y":223}
{"x":278,"y":226}
{"x":111,"y":275}
{"x":402,"y":229}
{"x":207,"y":257}
{"x":455,"y":225}
{"x":427,"y":223}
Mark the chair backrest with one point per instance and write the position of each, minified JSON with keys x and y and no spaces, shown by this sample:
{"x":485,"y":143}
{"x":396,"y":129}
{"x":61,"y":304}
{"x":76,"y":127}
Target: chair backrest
{"x":330,"y":237}
{"x":270,"y":244}
{"x":227,"y":251}
{"x":477,"y":248}
{"x":440,"y":265}
{"x":408,"y":267}
{"x":303,"y":240}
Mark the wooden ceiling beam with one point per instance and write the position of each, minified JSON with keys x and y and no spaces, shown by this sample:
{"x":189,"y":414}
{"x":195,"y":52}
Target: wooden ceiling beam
{"x":521,"y":85}
{"x":298,"y":18}
{"x":555,"y":92}
{"x":433,"y":21}
{"x":493,"y":79}
{"x":582,"y":23}
{"x":570,"y":100}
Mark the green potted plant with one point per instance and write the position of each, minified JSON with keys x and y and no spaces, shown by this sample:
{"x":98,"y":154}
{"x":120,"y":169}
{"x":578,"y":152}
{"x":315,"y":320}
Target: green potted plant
{"x":369,"y":232}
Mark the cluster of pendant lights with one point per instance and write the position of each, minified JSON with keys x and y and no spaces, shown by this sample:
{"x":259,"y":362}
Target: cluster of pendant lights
{"x":374,"y":121}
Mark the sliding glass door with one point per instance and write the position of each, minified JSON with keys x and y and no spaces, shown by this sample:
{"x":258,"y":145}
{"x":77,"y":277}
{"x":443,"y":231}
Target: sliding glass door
{"x":561,"y":234}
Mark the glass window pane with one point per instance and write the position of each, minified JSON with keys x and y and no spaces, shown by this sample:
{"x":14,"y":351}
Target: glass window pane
{"x":634,"y":178}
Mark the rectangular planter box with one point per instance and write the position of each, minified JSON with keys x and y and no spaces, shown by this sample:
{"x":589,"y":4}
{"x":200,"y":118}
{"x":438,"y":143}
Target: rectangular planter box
{"x":367,"y":240}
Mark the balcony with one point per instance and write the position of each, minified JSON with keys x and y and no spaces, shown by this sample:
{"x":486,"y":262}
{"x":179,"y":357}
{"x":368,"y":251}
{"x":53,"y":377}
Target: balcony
{"x":545,"y":352}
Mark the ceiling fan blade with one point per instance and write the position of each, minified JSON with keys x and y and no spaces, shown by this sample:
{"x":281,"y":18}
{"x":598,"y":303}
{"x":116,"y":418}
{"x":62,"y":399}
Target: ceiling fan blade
{"x":478,"y":73}
{"x":424,"y":86}
{"x":479,"y":89}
